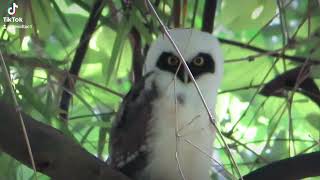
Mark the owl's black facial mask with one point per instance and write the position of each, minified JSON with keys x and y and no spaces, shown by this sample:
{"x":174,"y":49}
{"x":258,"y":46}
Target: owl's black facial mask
{"x":200,"y":64}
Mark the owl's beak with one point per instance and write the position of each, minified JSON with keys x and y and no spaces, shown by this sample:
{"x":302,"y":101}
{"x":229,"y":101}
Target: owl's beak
{"x":186,"y":77}
{"x":183,"y":75}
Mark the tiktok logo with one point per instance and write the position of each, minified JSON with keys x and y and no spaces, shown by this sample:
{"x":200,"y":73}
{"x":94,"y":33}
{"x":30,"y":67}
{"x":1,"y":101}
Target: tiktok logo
{"x":12,"y":21}
{"x":12,"y":9}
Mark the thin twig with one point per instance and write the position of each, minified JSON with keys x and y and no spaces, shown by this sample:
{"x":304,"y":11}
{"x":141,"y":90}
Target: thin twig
{"x":298,"y":59}
{"x":249,"y":149}
{"x":179,"y":166}
{"x":254,"y":117}
{"x":177,"y":124}
{"x":251,"y":58}
{"x":212,"y":120}
{"x":301,"y":77}
{"x":209,"y":156}
{"x":241,"y":88}
{"x":18,"y":109}
{"x":98,"y":86}
{"x":280,"y":110}
{"x":92,"y":115}
{"x":254,"y":95}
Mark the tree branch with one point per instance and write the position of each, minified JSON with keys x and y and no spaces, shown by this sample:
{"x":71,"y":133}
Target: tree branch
{"x":288,"y":80}
{"x":297,"y":167}
{"x":55,"y":155}
{"x":79,"y":56}
{"x":176,"y":13}
{"x":298,"y":59}
{"x":208,"y":17}
{"x":60,"y":158}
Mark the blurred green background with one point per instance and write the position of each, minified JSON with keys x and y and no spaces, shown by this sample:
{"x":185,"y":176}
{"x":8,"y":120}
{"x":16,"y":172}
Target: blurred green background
{"x":259,"y":129}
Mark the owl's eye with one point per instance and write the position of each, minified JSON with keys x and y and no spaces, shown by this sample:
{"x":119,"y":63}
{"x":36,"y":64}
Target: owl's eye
{"x":173,"y":60}
{"x":198,"y":61}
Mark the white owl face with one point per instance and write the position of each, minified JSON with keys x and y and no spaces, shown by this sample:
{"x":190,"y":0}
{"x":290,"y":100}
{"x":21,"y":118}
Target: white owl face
{"x":202,"y":53}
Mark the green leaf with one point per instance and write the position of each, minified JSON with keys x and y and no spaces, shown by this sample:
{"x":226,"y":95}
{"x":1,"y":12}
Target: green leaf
{"x":314,"y":119}
{"x":8,"y":167}
{"x":61,"y":15}
{"x":33,"y":99}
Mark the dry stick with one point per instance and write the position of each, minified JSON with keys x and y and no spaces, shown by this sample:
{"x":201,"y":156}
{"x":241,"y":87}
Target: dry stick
{"x":241,"y":88}
{"x":226,"y":173}
{"x":284,"y":32}
{"x":297,"y":84}
{"x":177,"y":131}
{"x":273,"y":129}
{"x":254,"y":117}
{"x":209,"y":156}
{"x":249,"y":149}
{"x":177,"y":124}
{"x":97,"y":85}
{"x":300,"y":79}
{"x":195,"y":84}
{"x":92,"y":115}
{"x":25,"y":134}
{"x":278,"y":140}
{"x":298,"y":59}
{"x":308,"y":148}
{"x":254,"y":95}
{"x":252,"y":57}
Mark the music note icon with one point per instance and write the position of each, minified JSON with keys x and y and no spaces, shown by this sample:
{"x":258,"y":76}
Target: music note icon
{"x":12,"y":9}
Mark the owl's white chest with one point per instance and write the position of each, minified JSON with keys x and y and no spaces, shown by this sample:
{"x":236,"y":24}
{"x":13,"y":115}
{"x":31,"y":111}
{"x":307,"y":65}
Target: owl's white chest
{"x":181,"y":140}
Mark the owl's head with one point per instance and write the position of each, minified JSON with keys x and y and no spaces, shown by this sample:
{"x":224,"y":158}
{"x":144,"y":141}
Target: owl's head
{"x":201,"y":51}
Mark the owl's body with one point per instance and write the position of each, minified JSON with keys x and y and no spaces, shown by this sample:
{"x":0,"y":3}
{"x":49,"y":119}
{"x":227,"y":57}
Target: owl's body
{"x":167,"y":141}
{"x":163,"y":131}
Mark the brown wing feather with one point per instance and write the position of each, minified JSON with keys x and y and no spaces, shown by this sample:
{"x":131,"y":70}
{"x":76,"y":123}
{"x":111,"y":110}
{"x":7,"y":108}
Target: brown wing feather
{"x":127,"y":145}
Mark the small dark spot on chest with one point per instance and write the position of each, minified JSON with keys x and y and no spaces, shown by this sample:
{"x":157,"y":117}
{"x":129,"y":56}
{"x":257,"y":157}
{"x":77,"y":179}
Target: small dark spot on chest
{"x":181,"y":99}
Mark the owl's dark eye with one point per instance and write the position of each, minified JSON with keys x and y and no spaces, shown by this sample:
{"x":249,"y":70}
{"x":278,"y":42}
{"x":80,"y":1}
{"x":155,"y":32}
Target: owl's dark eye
{"x":200,"y":64}
{"x":198,"y":61}
{"x":173,"y":61}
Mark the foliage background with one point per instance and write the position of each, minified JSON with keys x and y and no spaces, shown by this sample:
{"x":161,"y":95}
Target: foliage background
{"x":259,"y":128}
